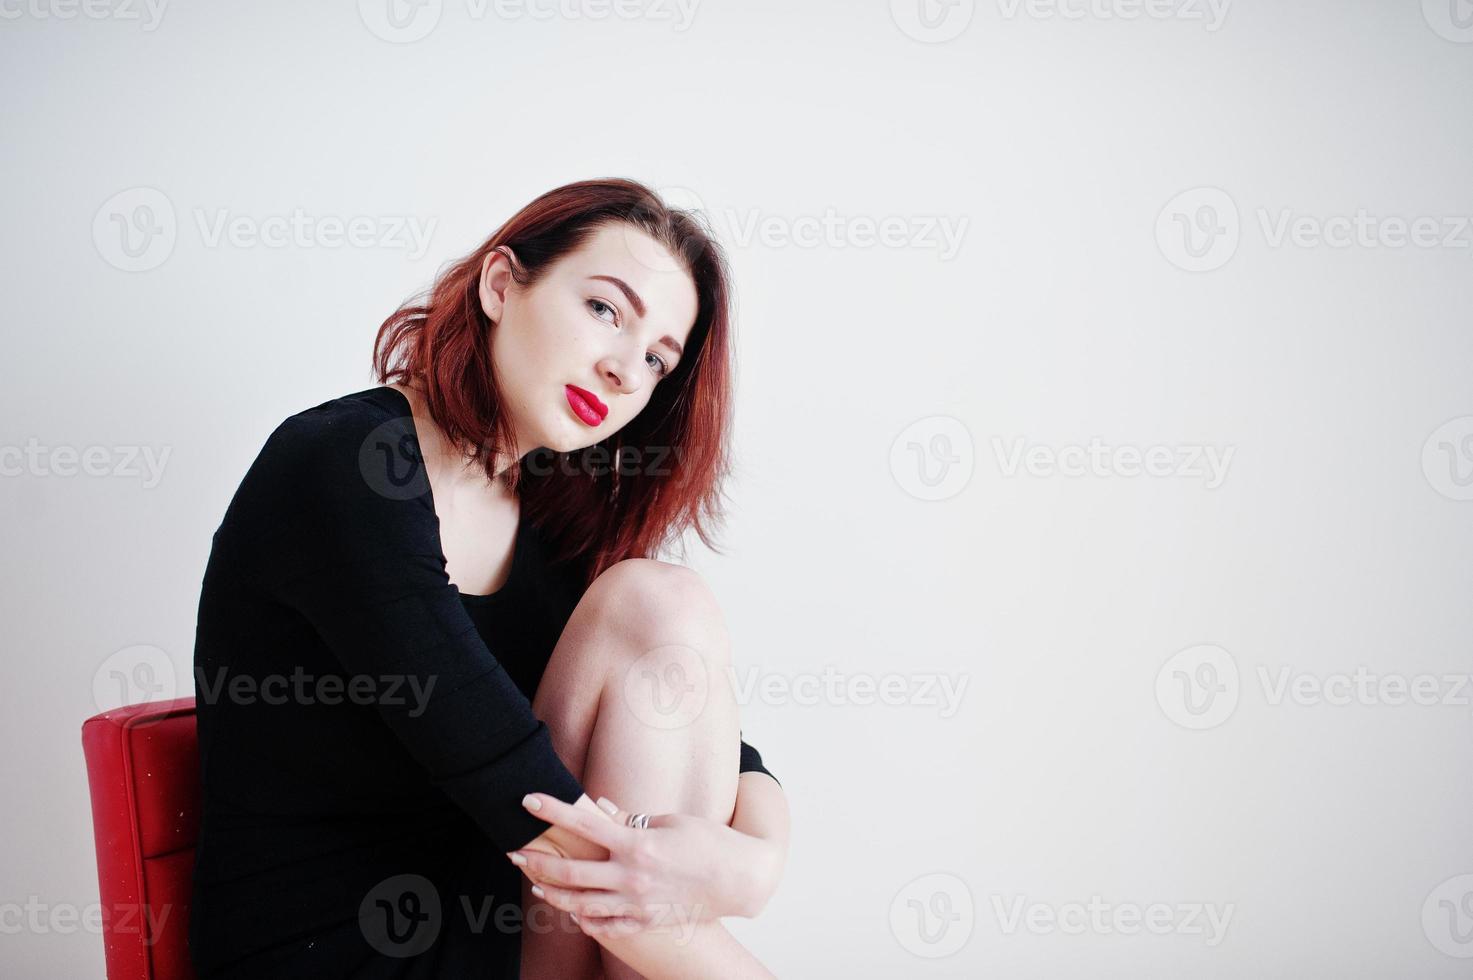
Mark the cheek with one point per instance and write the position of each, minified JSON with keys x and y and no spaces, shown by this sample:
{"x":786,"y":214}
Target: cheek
{"x":632,"y":412}
{"x":530,"y":353}
{"x":558,"y":341}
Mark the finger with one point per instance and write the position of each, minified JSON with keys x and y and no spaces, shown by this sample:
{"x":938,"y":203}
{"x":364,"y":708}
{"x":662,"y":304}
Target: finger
{"x":612,"y":809}
{"x":594,"y":827}
{"x":611,"y":907}
{"x":621,"y":816}
{"x":548,"y":869}
{"x":609,"y":927}
{"x":587,"y":904}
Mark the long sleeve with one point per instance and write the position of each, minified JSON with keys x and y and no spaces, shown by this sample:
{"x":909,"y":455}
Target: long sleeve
{"x":335,"y":520}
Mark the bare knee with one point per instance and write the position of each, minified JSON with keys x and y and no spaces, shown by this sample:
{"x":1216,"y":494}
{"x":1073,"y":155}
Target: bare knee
{"x":670,"y":669}
{"x":646,"y":647}
{"x":640,"y":695}
{"x":652,"y":603}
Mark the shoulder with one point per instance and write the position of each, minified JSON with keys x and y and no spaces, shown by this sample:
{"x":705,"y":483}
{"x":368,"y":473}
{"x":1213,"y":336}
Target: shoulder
{"x":345,"y":435}
{"x":333,"y":421}
{"x":348,"y":454}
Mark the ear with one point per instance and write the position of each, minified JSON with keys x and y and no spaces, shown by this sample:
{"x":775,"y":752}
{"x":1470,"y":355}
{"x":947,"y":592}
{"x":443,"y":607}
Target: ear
{"x":495,"y":280}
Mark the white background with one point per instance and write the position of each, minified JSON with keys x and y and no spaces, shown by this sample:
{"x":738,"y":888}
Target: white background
{"x":1073,"y":145}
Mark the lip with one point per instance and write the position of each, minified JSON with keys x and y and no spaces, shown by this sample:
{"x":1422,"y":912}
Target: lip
{"x":585,"y":405}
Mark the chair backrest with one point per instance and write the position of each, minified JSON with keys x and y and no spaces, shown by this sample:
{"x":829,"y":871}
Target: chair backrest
{"x":143,"y":770}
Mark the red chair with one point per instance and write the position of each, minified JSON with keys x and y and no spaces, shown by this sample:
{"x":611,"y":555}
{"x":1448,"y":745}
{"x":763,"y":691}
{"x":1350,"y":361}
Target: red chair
{"x":143,"y":770}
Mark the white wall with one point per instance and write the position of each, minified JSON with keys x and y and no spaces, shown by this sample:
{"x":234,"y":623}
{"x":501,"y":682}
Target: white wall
{"x":1065,"y":143}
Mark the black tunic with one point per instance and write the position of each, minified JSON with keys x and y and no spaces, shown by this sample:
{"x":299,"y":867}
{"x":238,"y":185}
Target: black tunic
{"x":366,"y":732}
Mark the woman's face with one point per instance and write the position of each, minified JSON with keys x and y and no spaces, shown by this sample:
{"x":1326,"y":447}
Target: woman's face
{"x":609,"y":319}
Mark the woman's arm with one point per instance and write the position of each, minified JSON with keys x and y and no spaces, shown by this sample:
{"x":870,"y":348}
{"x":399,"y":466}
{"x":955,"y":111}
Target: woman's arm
{"x":753,"y":872}
{"x":703,"y":950}
{"x":713,"y":869}
{"x":681,"y":867}
{"x":762,"y":814}
{"x":673,"y":936}
{"x":323,"y":524}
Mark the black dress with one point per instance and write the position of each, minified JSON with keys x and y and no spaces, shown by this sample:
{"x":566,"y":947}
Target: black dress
{"x":366,"y":733}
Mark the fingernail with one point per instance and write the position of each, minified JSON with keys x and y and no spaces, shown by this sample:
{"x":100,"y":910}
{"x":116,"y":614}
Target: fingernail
{"x":537,"y":890}
{"x":606,"y":806}
{"x":531,"y":802}
{"x":518,"y":860}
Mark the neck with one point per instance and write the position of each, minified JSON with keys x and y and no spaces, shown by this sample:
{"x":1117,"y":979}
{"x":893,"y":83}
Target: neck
{"x":456,"y":466}
{"x":461,"y":468}
{"x":504,"y":463}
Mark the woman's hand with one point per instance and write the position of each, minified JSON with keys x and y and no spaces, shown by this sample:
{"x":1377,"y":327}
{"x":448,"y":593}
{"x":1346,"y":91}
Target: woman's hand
{"x":558,"y":842}
{"x":678,"y":871}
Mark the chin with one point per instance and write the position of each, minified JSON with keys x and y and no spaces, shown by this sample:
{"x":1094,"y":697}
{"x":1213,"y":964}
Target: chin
{"x":565,"y":441}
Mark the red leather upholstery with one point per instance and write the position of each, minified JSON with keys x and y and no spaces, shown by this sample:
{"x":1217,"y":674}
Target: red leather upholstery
{"x":143,"y":770}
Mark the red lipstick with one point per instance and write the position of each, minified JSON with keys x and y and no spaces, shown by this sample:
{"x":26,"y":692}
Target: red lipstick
{"x":586,"y":406}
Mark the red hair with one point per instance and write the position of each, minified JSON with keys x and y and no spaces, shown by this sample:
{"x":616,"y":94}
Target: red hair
{"x":592,"y":504}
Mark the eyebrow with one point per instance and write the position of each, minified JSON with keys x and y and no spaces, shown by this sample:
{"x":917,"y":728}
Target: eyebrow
{"x":639,"y":308}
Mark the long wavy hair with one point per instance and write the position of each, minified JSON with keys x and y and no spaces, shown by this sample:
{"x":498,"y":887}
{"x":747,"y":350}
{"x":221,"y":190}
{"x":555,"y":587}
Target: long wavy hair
{"x":641,"y":488}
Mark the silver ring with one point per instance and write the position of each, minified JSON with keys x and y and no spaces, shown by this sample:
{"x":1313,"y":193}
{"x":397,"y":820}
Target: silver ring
{"x":639,"y":821}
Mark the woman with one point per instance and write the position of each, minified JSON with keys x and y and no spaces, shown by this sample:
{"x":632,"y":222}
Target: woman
{"x":431,"y":635}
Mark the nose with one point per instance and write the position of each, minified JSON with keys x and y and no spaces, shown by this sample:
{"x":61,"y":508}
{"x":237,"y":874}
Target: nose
{"x":621,"y":373}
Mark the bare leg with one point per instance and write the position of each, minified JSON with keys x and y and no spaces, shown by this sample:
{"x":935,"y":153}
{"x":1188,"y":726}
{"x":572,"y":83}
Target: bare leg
{"x":637,"y":698}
